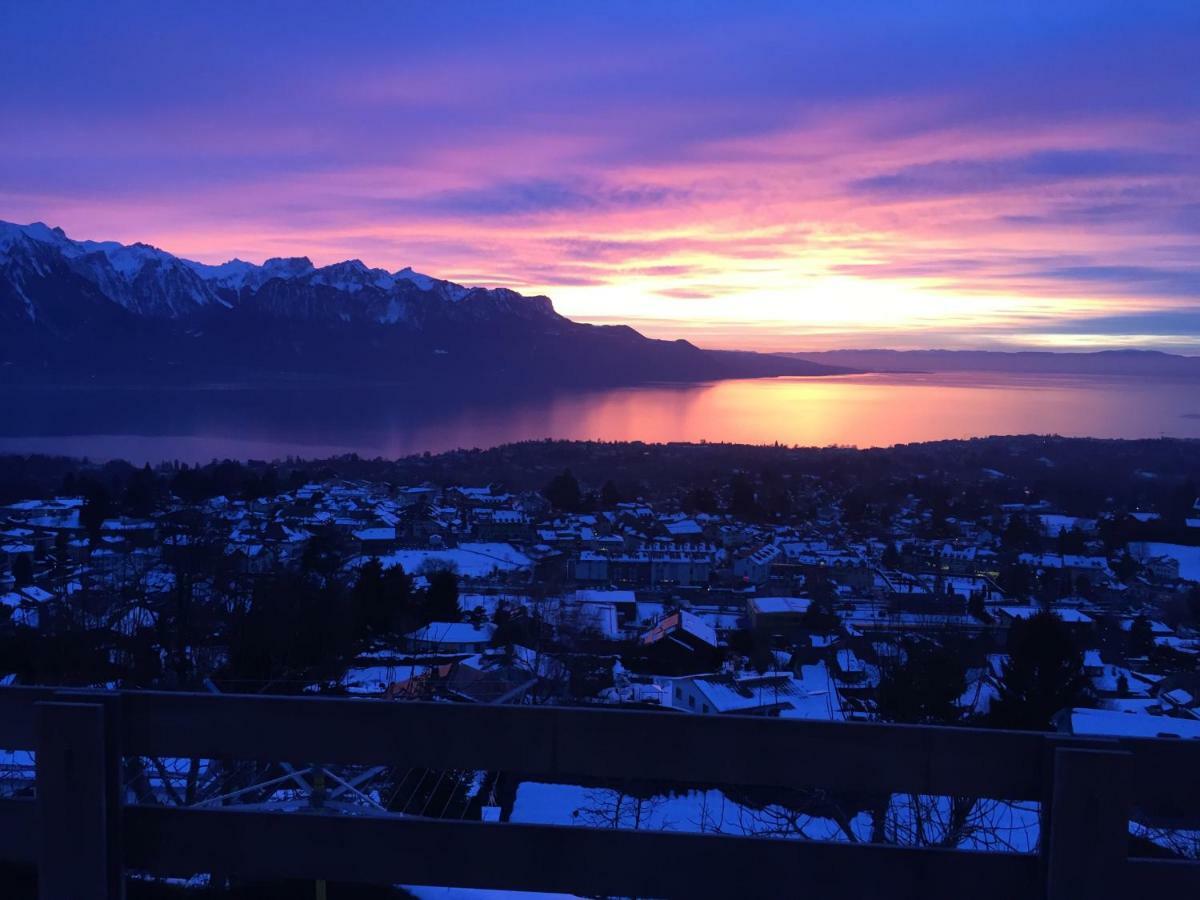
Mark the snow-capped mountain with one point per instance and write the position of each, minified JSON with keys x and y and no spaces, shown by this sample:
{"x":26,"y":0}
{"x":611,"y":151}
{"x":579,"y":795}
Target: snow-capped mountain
{"x":72,"y":309}
{"x":151,"y":282}
{"x":139,"y":278}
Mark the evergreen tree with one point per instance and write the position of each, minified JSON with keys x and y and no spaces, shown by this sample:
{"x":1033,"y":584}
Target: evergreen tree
{"x":441,"y":603}
{"x":563,"y":492}
{"x":1141,"y":637}
{"x":742,"y":503}
{"x":923,"y":686}
{"x":1043,"y":674}
{"x":22,"y":571}
{"x":891,"y":556}
{"x":381,"y":600}
{"x":97,"y":506}
{"x":609,"y":495}
{"x":700,"y":500}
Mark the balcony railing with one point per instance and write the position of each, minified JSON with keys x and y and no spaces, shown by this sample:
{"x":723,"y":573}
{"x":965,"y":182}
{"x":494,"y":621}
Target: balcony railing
{"x":82,"y":837}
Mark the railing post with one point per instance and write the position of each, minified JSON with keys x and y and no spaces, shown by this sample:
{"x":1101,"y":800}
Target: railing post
{"x":78,"y":797}
{"x":1087,"y":846}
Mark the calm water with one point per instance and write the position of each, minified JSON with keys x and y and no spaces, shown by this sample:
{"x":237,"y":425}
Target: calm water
{"x":198,"y":425}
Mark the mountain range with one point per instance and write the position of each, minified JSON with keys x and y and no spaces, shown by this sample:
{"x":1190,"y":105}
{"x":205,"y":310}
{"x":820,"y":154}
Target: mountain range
{"x":100,"y":311}
{"x":1022,"y":362}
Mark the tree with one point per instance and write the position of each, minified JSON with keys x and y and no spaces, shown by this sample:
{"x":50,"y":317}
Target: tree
{"x":324,"y":553}
{"x":1141,"y":637}
{"x":820,"y":617}
{"x":609,"y":495}
{"x":1016,"y":580}
{"x":141,"y":493}
{"x":976,"y":608}
{"x":700,"y":500}
{"x":1071,"y":541}
{"x":1020,"y":534}
{"x":1043,"y":674}
{"x":891,"y":556}
{"x":441,"y":602}
{"x":820,"y":587}
{"x":22,"y":571}
{"x":563,"y":492}
{"x":742,"y":503}
{"x":922,"y":685}
{"x":294,"y":627}
{"x":380,"y":599}
{"x":97,"y":506}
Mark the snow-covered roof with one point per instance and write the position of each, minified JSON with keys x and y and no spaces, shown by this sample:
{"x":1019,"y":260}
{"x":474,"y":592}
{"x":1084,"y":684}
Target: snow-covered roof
{"x":681,"y":620}
{"x":376,"y":534}
{"x":1066,"y":613}
{"x":777,"y":605}
{"x":1131,"y":724}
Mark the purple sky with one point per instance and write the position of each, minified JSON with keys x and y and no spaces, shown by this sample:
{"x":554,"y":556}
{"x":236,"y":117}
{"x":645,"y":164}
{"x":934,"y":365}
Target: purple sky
{"x":774,"y":175}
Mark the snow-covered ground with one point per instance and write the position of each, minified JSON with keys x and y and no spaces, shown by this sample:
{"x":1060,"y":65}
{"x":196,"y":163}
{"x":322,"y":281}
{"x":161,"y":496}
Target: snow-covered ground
{"x":469,"y":560}
{"x":994,"y":824}
{"x":452,"y":893}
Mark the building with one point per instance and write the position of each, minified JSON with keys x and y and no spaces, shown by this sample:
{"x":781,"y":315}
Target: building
{"x":450,"y":638}
{"x":753,"y":565}
{"x":777,"y":614}
{"x":680,"y":642}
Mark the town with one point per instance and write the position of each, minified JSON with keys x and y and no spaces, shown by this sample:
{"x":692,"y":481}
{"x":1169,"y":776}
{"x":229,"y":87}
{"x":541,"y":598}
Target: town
{"x":1031,"y":583}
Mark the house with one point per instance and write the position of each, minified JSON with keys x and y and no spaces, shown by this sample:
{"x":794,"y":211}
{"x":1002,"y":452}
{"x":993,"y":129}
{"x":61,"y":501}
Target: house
{"x":1180,"y":702}
{"x":777,"y":614}
{"x":376,"y":541}
{"x":1069,"y":615}
{"x":504,"y":675}
{"x":959,"y":560}
{"x":1162,"y":569}
{"x":502,"y":525}
{"x":1111,"y":681}
{"x":810,"y":695}
{"x":624,"y":603}
{"x":22,"y":612}
{"x":685,"y":531}
{"x":679,"y":642}
{"x":450,"y":638}
{"x":652,"y":564}
{"x":753,"y":565}
{"x":762,"y":695}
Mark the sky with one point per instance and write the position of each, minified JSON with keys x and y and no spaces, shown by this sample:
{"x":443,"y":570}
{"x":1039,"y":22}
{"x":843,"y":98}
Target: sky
{"x":779,"y":176}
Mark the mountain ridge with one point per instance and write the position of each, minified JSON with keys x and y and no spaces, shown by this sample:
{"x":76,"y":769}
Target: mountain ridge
{"x":1123,"y":361}
{"x":100,"y":310}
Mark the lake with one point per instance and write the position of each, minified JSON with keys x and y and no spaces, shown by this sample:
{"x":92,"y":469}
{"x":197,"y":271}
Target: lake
{"x":201,"y":424}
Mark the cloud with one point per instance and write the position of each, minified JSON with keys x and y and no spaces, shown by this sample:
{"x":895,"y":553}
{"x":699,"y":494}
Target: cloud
{"x":1142,"y":281}
{"x":695,"y":292}
{"x":533,"y":197}
{"x":1179,"y":322}
{"x":929,"y":166}
{"x":1043,"y":167}
{"x":924,"y":268}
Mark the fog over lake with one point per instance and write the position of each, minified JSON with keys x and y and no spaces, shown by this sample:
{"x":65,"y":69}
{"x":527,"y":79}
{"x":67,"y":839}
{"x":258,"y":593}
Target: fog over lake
{"x":152,"y":424}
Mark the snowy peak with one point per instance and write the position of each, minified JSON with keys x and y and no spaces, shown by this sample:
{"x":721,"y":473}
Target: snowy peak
{"x":238,"y":274}
{"x":153,"y":283}
{"x":10,"y":233}
{"x":424,"y":282}
{"x":287,"y":266}
{"x":352,"y":276}
{"x":142,"y":279}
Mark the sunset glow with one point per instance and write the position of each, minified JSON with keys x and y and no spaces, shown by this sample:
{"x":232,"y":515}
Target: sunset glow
{"x":764,"y":176}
